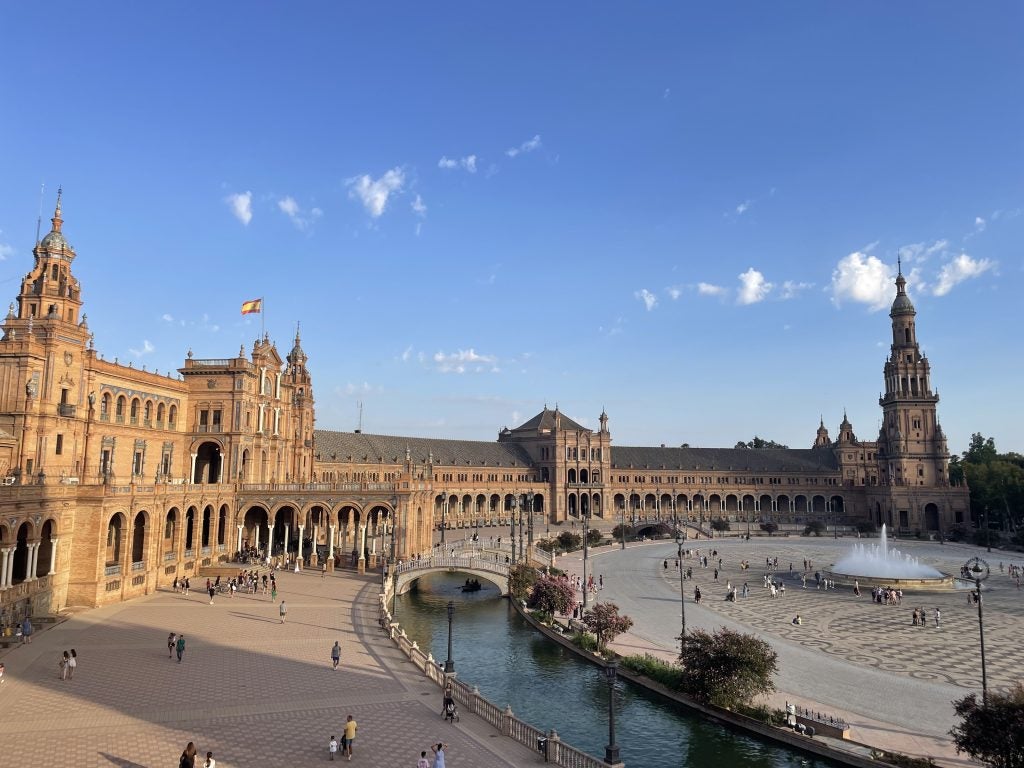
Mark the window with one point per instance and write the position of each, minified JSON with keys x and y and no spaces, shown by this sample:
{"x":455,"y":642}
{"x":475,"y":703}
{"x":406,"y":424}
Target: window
{"x":60,"y":444}
{"x":137,"y":463}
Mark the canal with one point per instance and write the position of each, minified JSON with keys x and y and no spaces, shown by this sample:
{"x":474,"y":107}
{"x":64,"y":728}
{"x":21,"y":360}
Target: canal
{"x":550,"y":687}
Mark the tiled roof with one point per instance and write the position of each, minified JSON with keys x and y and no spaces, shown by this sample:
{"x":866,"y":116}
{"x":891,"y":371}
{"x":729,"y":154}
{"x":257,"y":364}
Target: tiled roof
{"x":361,"y":447}
{"x":546,"y":420}
{"x":737,"y":459}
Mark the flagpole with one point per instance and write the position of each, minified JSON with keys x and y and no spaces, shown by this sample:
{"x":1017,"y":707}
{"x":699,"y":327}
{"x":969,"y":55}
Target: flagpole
{"x":263,"y":315}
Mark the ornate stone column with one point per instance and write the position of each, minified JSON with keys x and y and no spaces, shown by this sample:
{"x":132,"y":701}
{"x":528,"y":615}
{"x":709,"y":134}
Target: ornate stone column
{"x":33,"y":557}
{"x":298,"y":560}
{"x":330,"y":548}
{"x":285,"y":552}
{"x":239,"y":547}
{"x":192,"y":470}
{"x":361,"y":544}
{"x":5,"y":556}
{"x":10,"y":566}
{"x":53,"y":556}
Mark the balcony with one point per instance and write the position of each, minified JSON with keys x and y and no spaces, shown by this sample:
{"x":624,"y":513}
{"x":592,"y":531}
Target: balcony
{"x":66,"y":410}
{"x":138,"y":566}
{"x":119,"y":418}
{"x":112,"y":570}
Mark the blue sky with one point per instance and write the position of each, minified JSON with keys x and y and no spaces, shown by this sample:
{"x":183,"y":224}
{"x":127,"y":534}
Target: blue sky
{"x":685,"y":213}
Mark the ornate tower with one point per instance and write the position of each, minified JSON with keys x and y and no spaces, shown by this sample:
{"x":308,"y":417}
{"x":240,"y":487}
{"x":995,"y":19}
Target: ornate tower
{"x":302,"y":411}
{"x":911,"y":447}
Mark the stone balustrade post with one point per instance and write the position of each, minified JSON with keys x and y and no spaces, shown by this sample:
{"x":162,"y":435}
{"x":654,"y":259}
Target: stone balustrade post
{"x":506,"y":721}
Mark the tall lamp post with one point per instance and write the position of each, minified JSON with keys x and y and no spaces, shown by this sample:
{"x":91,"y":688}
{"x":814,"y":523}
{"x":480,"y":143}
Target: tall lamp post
{"x":449,"y":665}
{"x":528,"y":503}
{"x":611,"y":752}
{"x":512,"y":504}
{"x":680,"y":541}
{"x":979,"y":571}
{"x":622,"y":525}
{"x":586,"y":530}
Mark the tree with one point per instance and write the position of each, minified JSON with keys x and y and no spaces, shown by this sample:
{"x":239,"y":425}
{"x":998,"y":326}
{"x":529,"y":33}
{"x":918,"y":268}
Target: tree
{"x":720,"y":524}
{"x":622,"y":530}
{"x":606,"y":623}
{"x":569,"y":541}
{"x":770,"y":527}
{"x":520,"y":578}
{"x":594,"y":537}
{"x":993,"y":734}
{"x":996,"y":481}
{"x":817,"y":527}
{"x":552,"y":595}
{"x":728,"y":668}
{"x":759,"y":443}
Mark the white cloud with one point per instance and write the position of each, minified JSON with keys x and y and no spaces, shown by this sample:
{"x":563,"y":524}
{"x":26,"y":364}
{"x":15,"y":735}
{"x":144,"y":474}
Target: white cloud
{"x":963,"y":267}
{"x":526,"y":146}
{"x":5,"y":251}
{"x":355,"y":389}
{"x":241,"y":206}
{"x":666,"y":93}
{"x":167,"y":317}
{"x":921,"y":252}
{"x":291,"y":209}
{"x":147,"y":347}
{"x":753,"y":287}
{"x":790,"y":289}
{"x":979,"y":224}
{"x":465,"y":360}
{"x":467,"y":163}
{"x":864,"y":279}
{"x":673,"y":292}
{"x":649,"y":299}
{"x":707,"y":289}
{"x":406,"y":353}
{"x":418,"y":206}
{"x":374,"y":194}
{"x":743,"y":207}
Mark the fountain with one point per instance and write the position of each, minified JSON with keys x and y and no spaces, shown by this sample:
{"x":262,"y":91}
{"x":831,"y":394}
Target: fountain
{"x":878,"y":564}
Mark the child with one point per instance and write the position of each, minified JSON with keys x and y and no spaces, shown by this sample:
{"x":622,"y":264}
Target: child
{"x":332,"y":746}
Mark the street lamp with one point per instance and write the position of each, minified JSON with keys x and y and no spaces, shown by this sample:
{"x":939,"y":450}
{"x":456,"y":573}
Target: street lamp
{"x":512,"y":504}
{"x":979,"y":571}
{"x":586,"y":530}
{"x":449,"y":665}
{"x":611,"y":752}
{"x":622,"y":526}
{"x":528,"y":503}
{"x":680,"y":540}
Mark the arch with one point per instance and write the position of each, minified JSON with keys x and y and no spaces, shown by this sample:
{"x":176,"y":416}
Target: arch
{"x":650,"y":505}
{"x":782,"y":504}
{"x":584,"y":476}
{"x":571,"y":505}
{"x":206,"y":529}
{"x":818,"y":505}
{"x":147,"y":413}
{"x":19,"y":572}
{"x":931,"y":517}
{"x":764,"y":506}
{"x":838,"y":504}
{"x":133,"y":412}
{"x":161,"y":411}
{"x":255,"y":524}
{"x":105,"y":404}
{"x":172,"y":416}
{"x":139,"y":538}
{"x":115,"y":532}
{"x":800,"y":504}
{"x":190,"y":528}
{"x":570,"y":476}
{"x":732,"y":503}
{"x":119,"y":408}
{"x":595,"y":505}
{"x":45,"y":551}
{"x":208,"y":463}
{"x":715,"y":502}
{"x":170,"y":530}
{"x":222,"y":524}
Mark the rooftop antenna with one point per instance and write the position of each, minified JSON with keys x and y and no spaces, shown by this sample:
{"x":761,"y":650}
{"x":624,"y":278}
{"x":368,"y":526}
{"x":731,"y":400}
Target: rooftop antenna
{"x":39,"y":218}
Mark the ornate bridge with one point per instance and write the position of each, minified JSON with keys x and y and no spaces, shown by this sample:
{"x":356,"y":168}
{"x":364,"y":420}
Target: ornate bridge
{"x":476,"y":562}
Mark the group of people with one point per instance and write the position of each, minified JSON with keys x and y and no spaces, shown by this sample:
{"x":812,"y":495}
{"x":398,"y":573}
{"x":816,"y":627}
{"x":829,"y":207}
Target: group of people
{"x":887,"y":596}
{"x":348,"y":737}
{"x":189,"y":755}
{"x":68,"y":663}
{"x":920,"y":618}
{"x":182,"y":585}
{"x":175,"y":644}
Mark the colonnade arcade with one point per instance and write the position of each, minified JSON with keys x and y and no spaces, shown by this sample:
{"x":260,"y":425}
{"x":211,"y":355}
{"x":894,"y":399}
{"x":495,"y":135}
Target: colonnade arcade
{"x":480,"y":510}
{"x":734,"y":507}
{"x":28,"y":554}
{"x":312,"y":532}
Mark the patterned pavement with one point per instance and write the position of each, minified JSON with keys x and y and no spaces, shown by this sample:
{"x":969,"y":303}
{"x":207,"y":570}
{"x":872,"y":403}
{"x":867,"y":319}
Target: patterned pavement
{"x":251,"y":690}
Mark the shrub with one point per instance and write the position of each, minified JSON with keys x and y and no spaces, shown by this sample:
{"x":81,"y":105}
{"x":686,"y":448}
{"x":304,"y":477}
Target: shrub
{"x":721,"y":524}
{"x":569,"y":541}
{"x":992,"y":733}
{"x":728,"y":668}
{"x":606,"y":623}
{"x":770,"y":527}
{"x":866,"y":526}
{"x":981,"y":538}
{"x":593,"y":537}
{"x":585,"y":640}
{"x":552,"y":595}
{"x":816,"y":527}
{"x":520,"y":578}
{"x":669,"y":675}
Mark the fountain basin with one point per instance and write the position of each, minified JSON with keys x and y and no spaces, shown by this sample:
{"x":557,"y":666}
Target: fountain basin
{"x":934,"y":583}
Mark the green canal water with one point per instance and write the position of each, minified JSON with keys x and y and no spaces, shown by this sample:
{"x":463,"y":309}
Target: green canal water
{"x":550,"y":687}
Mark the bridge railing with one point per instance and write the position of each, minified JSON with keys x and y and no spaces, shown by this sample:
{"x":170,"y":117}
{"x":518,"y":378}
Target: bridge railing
{"x":479,"y":562}
{"x":502,"y":720}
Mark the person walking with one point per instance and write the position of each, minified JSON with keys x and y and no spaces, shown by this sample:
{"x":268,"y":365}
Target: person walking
{"x":210,"y":762}
{"x":72,"y":664}
{"x":26,"y":630}
{"x":188,"y":585}
{"x":172,"y":640}
{"x":938,"y":617}
{"x":336,"y":654}
{"x":188,"y":756}
{"x":439,"y":754}
{"x":423,"y":762}
{"x":283,"y":611}
{"x":332,"y":747}
{"x":180,"y":647}
{"x":211,"y":590}
{"x":64,"y":665}
{"x":350,"y":735}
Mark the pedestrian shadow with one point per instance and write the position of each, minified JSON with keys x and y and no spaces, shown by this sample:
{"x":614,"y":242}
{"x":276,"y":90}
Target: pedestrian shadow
{"x":249,"y":616}
{"x":121,"y":762}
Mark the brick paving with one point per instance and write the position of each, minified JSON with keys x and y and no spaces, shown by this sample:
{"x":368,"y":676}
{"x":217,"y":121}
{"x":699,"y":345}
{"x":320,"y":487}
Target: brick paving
{"x":253,"y":691}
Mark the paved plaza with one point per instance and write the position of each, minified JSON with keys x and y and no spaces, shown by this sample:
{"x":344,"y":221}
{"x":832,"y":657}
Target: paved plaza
{"x":251,"y":690}
{"x":852,"y":658}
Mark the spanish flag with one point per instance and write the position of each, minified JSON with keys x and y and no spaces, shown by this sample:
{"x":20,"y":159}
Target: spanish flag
{"x":252,"y":307}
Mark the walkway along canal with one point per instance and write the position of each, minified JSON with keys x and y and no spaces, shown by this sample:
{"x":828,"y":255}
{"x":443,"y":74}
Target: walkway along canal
{"x":549,"y":686}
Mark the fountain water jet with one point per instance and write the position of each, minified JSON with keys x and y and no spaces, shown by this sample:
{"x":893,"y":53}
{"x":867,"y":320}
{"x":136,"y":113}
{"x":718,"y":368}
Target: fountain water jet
{"x":878,"y":564}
